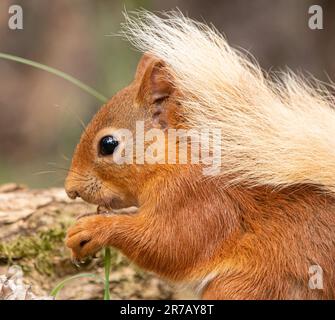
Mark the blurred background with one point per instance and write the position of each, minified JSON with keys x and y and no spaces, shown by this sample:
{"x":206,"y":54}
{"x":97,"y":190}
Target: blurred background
{"x":39,"y":112}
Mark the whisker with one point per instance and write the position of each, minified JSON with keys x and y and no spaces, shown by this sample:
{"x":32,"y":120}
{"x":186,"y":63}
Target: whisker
{"x":43,"y":172}
{"x":67,"y":170}
{"x":51,"y":163}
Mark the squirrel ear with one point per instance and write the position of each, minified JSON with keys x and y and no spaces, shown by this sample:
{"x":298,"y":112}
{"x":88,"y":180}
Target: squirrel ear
{"x":143,"y":64}
{"x":154,"y":86}
{"x":154,"y":80}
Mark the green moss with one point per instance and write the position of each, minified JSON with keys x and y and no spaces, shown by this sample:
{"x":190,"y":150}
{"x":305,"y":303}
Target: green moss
{"x":46,"y":253}
{"x":40,"y":248}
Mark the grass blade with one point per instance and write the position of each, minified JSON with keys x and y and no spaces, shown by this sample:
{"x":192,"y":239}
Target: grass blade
{"x":107,"y":272}
{"x":61,"y":284}
{"x":58,"y":73}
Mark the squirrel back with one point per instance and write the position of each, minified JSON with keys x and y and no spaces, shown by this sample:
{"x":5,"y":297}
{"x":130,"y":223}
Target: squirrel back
{"x":277,"y":131}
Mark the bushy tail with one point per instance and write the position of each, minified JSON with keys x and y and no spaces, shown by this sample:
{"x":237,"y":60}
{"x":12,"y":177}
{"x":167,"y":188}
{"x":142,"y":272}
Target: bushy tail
{"x":278,"y":131}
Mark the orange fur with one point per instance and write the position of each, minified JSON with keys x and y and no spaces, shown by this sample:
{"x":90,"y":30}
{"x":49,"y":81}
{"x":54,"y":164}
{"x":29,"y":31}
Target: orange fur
{"x":257,"y":242}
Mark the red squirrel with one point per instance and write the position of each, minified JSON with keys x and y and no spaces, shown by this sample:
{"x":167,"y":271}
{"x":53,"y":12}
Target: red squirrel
{"x":252,"y":231}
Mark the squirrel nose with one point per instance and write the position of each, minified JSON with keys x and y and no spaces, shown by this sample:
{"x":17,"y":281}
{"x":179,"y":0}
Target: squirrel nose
{"x":71,"y":189}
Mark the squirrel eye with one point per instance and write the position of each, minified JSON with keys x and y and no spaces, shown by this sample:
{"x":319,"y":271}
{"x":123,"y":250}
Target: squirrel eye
{"x":107,"y":145}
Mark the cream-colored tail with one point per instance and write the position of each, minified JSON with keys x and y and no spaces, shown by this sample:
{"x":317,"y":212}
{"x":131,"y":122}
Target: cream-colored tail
{"x":278,"y":131}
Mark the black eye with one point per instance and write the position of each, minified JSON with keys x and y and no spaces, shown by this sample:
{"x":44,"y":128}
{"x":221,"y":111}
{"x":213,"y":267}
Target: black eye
{"x":107,"y":145}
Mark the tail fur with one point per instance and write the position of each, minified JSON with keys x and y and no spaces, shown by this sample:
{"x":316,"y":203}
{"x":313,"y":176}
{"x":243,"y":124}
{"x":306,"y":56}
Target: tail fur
{"x":277,"y":131}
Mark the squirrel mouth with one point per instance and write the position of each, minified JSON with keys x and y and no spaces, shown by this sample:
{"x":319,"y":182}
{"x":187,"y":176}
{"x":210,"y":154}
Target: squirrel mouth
{"x":103,"y":210}
{"x":107,"y":211}
{"x":114,"y":205}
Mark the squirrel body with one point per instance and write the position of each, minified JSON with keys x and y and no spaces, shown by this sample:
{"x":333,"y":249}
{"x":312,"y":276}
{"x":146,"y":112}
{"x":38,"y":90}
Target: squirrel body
{"x":251,"y":232}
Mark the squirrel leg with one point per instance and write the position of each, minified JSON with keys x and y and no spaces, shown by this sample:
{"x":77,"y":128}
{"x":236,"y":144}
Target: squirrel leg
{"x":93,"y":232}
{"x":140,"y":238}
{"x":135,"y":235}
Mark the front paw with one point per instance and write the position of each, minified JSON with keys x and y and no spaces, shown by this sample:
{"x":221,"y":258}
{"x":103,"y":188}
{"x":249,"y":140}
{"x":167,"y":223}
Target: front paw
{"x":87,"y":236}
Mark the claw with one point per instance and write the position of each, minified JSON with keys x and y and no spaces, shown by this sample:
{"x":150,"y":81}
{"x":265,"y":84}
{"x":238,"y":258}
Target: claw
{"x":78,"y":262}
{"x":75,"y":262}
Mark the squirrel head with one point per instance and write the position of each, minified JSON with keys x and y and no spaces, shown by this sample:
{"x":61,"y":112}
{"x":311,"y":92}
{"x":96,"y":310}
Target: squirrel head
{"x":96,"y":175}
